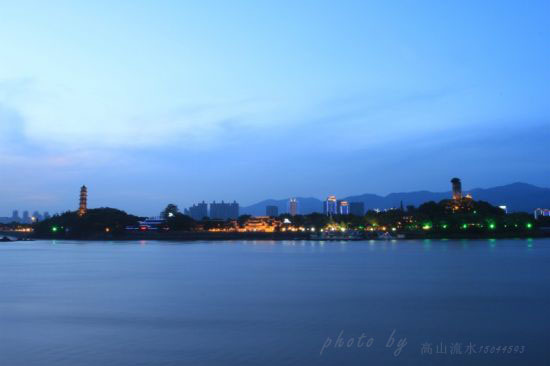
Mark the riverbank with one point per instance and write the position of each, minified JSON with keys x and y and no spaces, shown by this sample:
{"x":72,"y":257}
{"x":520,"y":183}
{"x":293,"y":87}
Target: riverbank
{"x":278,"y":236}
{"x":182,"y":236}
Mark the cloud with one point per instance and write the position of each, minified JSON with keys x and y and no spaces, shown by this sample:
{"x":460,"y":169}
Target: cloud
{"x":11,"y":126}
{"x":17,"y":150}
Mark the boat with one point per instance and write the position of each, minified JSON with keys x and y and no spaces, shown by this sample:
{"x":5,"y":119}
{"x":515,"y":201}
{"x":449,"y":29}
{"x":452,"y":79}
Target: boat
{"x":384,"y":236}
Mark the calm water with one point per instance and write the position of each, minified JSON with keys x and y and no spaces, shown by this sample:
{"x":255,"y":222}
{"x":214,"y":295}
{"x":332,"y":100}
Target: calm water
{"x":267,"y":303}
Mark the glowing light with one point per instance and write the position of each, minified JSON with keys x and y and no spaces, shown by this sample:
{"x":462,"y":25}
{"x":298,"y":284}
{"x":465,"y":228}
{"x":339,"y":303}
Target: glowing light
{"x":465,"y":226}
{"x":107,"y":229}
{"x":492,"y":226}
{"x":444,"y":226}
{"x":529,"y":225}
{"x":54,"y":229}
{"x":427,"y":226}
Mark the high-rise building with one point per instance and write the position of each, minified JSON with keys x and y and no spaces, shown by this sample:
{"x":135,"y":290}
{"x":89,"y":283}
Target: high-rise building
{"x":83,"y":206}
{"x":36,"y":216}
{"x":224,"y":211}
{"x":198,"y":211}
{"x":293,"y":207}
{"x":26,"y":219}
{"x":357,"y":208}
{"x":272,"y":211}
{"x":343,"y":207}
{"x":457,"y":189}
{"x":46,"y":215}
{"x":15,"y":216}
{"x":330,"y":206}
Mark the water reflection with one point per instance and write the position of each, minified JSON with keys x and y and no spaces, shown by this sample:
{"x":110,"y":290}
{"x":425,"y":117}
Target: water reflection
{"x":235,"y":303}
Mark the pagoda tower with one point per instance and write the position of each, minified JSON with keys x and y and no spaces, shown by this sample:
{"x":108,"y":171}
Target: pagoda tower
{"x":457,"y":189}
{"x":83,"y":207}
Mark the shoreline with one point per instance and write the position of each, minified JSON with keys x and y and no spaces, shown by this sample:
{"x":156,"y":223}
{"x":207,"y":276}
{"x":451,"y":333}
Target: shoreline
{"x":197,"y":236}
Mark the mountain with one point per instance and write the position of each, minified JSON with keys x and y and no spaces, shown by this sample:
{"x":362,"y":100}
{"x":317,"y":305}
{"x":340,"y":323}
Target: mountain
{"x":517,"y":197}
{"x":306,"y":205}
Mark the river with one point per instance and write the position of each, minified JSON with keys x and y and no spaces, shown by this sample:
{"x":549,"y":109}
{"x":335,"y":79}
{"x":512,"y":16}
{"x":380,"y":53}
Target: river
{"x":478,"y":302}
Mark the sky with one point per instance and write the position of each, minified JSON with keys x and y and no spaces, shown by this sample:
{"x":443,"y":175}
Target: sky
{"x":153,"y":102}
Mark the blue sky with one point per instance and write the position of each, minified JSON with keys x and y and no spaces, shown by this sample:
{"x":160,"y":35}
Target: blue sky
{"x":151,"y":102}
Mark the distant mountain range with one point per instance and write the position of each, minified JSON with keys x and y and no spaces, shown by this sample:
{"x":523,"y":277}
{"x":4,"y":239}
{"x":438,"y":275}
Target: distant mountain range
{"x":517,"y":197}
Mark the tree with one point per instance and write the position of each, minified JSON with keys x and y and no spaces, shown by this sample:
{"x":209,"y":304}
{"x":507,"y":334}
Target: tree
{"x":180,"y":222}
{"x":170,"y":211}
{"x":97,"y":220}
{"x":243,"y":219}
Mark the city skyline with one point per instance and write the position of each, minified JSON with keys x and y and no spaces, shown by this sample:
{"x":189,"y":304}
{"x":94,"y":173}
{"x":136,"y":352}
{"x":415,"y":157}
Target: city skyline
{"x":184,"y":100}
{"x":526,"y":194}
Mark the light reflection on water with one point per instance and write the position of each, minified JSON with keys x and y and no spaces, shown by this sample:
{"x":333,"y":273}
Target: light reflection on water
{"x":269,"y":303}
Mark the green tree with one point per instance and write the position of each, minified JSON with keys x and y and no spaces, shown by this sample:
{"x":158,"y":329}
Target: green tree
{"x":180,"y":222}
{"x":97,"y":220}
{"x":170,"y":211}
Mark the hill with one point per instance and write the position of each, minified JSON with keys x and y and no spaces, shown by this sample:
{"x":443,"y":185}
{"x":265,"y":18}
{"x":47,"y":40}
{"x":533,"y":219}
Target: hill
{"x":517,"y":197}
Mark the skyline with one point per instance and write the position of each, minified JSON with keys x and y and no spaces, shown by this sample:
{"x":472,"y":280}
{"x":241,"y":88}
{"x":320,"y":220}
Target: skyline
{"x":415,"y":198}
{"x":167,"y":102}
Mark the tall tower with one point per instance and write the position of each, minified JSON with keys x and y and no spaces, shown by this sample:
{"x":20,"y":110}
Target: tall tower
{"x":331,"y":206}
{"x":293,"y":207}
{"x":457,"y":189}
{"x":343,"y":207}
{"x":83,"y":207}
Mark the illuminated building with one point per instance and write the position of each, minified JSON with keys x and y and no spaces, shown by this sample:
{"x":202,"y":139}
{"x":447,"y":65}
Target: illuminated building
{"x":457,"y":189}
{"x":343,"y":207}
{"x":220,"y":226}
{"x":151,"y":223}
{"x":293,"y":207}
{"x":83,"y":207}
{"x":272,"y":211}
{"x":542,"y":212}
{"x":459,"y":202}
{"x":330,"y":206}
{"x":224,"y":211}
{"x":263,"y":224}
{"x":198,"y":211}
{"x":357,"y":208}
